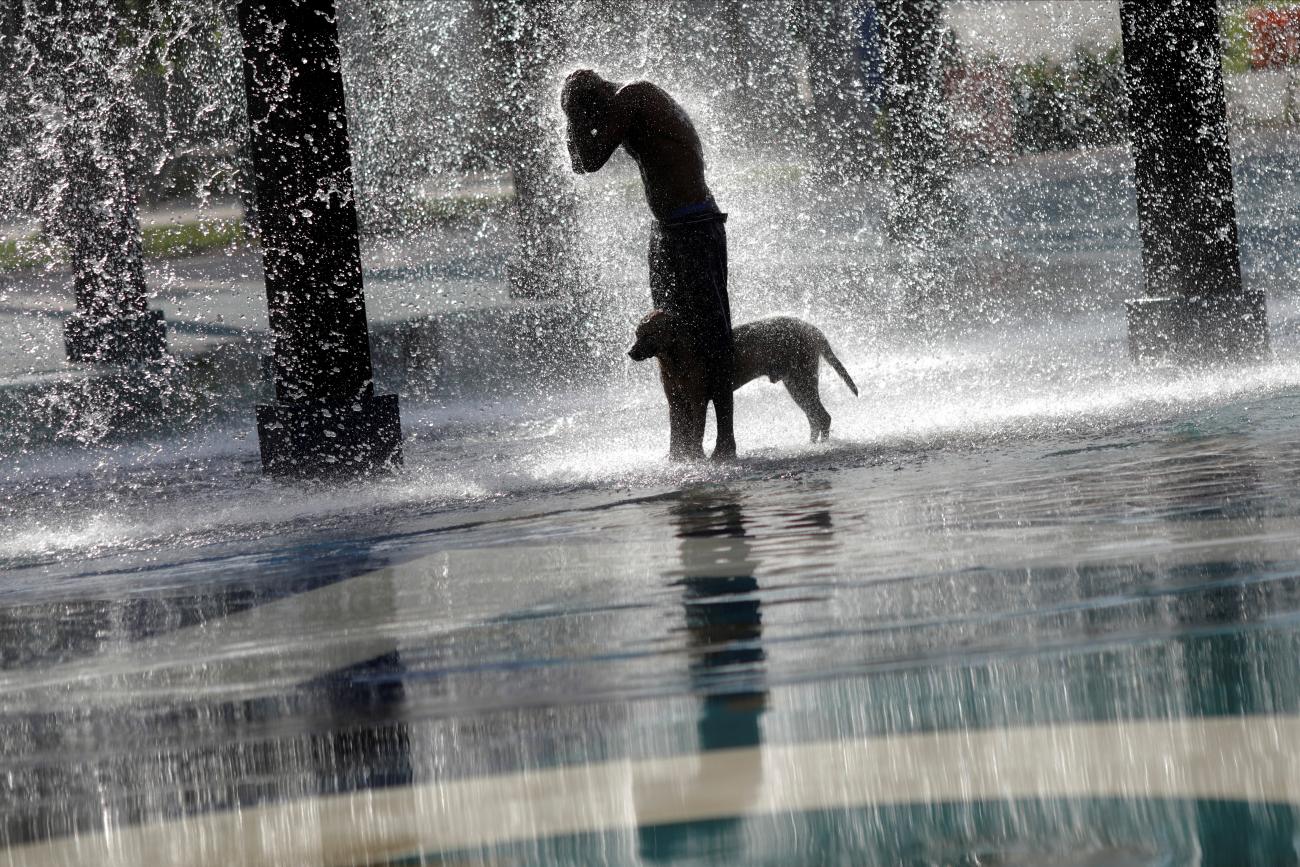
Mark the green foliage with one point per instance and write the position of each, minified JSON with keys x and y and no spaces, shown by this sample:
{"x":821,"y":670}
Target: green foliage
{"x":189,"y":238}
{"x":1236,"y":39}
{"x":1078,"y":103}
{"x":160,"y":242}
{"x":18,"y":253}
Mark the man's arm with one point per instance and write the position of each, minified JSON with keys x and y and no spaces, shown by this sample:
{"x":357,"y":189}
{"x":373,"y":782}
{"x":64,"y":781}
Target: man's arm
{"x":594,"y":136}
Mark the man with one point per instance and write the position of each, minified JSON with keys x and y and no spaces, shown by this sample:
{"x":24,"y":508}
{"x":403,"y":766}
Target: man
{"x":688,"y":243}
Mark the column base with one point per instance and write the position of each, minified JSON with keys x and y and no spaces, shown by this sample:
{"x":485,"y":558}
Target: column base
{"x":327,"y":438}
{"x":1175,"y":330}
{"x":131,"y":340}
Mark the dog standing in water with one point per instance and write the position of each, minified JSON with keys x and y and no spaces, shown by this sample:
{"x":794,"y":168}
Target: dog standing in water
{"x":688,"y":243}
{"x":782,"y":348}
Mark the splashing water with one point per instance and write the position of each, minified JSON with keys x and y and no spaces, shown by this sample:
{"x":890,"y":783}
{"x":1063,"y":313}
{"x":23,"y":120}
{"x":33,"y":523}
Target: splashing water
{"x":1013,"y":526}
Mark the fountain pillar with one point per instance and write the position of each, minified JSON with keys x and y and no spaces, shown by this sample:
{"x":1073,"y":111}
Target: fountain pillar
{"x":1196,"y":308}
{"x":524,"y":41}
{"x":922,"y":209}
{"x":96,"y":214}
{"x":326,"y":418}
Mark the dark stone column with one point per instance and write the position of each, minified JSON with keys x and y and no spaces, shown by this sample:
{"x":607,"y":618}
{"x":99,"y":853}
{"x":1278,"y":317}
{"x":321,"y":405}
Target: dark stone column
{"x":1196,"y":307}
{"x":327,"y":418}
{"x":96,"y":215}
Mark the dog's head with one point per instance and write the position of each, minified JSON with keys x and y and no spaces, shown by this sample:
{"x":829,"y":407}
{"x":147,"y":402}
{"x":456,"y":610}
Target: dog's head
{"x":653,"y":335}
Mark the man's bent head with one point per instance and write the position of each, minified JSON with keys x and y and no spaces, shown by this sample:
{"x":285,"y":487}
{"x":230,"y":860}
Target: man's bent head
{"x":586,"y":93}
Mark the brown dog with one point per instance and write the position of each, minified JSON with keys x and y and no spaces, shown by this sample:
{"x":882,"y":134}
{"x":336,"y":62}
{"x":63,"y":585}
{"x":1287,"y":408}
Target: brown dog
{"x":782,"y":348}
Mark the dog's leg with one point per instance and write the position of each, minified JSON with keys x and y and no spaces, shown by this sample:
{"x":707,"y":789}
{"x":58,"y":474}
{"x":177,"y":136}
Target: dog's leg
{"x":803,"y":389}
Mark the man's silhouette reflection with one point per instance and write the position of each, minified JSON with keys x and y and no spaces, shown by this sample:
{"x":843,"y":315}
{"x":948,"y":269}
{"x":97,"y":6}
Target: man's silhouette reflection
{"x":724,"y":621}
{"x":724,"y":628}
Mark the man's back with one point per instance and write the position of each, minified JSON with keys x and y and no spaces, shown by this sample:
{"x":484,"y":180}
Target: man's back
{"x":654,"y":130}
{"x":666,"y":147}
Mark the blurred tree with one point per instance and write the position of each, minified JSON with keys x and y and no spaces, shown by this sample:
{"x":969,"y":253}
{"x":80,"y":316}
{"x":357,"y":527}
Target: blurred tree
{"x":376,"y":71}
{"x":1078,"y":103}
{"x":758,"y":66}
{"x":16,"y":111}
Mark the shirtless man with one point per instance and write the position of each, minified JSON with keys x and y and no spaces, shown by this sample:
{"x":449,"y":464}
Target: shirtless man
{"x":688,"y":243}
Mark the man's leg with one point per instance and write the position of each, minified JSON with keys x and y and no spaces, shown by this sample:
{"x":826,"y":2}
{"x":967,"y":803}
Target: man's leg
{"x":699,"y":411}
{"x":678,"y":422}
{"x":725,"y":447}
{"x":720,"y":392}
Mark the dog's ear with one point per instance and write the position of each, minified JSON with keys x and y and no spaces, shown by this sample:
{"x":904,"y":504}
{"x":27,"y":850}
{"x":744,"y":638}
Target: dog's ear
{"x":660,"y":322}
{"x":666,"y":327}
{"x":647,"y":323}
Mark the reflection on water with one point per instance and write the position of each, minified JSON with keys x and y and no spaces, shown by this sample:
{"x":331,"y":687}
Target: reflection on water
{"x":724,"y":619}
{"x":1004,"y":601}
{"x":724,"y":630}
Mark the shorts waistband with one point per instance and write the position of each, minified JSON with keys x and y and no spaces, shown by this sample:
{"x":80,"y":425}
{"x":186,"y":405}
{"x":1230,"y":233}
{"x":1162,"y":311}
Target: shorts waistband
{"x":698,"y":212}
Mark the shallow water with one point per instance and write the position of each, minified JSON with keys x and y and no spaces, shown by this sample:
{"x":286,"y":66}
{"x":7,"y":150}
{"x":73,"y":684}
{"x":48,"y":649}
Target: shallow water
{"x":1028,"y":606}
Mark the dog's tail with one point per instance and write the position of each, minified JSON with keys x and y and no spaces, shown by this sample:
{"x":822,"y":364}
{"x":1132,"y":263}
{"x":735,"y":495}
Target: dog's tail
{"x":829,"y":355}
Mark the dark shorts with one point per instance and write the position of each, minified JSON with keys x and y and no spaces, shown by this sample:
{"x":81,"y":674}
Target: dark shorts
{"x":688,"y":278}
